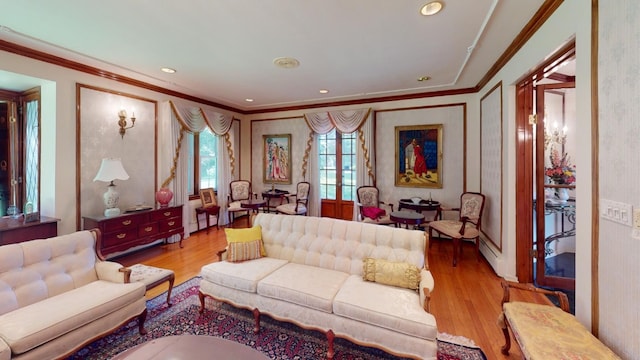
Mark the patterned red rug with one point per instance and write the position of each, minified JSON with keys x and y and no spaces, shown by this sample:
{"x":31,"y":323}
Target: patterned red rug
{"x":278,"y":340}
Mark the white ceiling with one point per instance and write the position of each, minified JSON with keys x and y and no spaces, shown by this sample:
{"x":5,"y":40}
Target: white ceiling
{"x":223,"y":50}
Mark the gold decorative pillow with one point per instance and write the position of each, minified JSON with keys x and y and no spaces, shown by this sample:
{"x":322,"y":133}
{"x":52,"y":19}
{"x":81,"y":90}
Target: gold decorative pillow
{"x":246,"y":235}
{"x":386,"y":272}
{"x":242,"y":251}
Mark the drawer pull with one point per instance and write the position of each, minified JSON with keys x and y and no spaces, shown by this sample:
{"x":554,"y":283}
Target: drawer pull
{"x":121,"y":236}
{"x":171,"y":223}
{"x":148,"y":228}
{"x":126,"y":222}
{"x":167,"y":213}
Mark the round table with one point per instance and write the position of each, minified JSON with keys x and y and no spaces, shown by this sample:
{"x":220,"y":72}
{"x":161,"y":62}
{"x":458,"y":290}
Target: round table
{"x":407,"y":218}
{"x":190,"y":347}
{"x":254,"y":205}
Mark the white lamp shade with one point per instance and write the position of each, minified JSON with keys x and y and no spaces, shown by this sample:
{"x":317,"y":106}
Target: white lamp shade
{"x":111,"y":169}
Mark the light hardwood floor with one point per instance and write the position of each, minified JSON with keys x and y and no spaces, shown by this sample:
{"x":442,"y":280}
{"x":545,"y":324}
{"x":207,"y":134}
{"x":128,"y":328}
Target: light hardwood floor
{"x":465,"y":301}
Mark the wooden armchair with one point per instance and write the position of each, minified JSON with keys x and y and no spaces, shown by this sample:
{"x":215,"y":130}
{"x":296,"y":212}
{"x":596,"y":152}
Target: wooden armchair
{"x":369,"y":206}
{"x":467,"y":227}
{"x":301,"y":202}
{"x":239,"y":190}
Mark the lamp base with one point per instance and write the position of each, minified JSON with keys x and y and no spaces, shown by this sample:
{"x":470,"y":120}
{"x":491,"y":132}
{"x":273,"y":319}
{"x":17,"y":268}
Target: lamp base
{"x":111,"y":212}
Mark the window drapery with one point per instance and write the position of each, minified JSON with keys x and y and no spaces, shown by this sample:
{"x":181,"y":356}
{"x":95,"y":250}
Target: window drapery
{"x":346,"y":122}
{"x":176,"y":119}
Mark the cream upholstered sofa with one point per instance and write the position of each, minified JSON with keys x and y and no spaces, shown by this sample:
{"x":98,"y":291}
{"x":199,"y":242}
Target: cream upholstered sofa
{"x":312,"y":275}
{"x":57,"y":295}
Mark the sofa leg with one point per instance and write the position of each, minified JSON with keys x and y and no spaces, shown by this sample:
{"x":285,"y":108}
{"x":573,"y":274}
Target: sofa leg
{"x":201,"y":296}
{"x":141,"y":318}
{"x":256,"y":318}
{"x":330,"y":337}
{"x":507,"y":338}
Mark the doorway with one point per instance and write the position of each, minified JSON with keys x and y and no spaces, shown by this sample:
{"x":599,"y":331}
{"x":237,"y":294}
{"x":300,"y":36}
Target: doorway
{"x":546,"y":176}
{"x":337,"y":159}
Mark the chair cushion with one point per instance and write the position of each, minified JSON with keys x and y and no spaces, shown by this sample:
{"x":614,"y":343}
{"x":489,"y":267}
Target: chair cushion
{"x":241,"y":276}
{"x":290,"y":209}
{"x":373,"y":212}
{"x":552,"y":333}
{"x":390,"y":307}
{"x":243,"y":251}
{"x":246,"y":235}
{"x":303,"y":285}
{"x":400,"y":274}
{"x":451,"y":228}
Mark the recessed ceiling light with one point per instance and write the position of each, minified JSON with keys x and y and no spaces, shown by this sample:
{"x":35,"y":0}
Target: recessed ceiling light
{"x":324,"y":91}
{"x":248,"y":100}
{"x":431,"y":8}
{"x":424,"y":78}
{"x":286,"y":62}
{"x":168,"y":70}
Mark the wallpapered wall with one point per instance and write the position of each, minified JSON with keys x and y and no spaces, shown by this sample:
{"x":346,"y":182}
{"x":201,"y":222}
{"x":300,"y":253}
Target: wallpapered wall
{"x":619,"y":146}
{"x":99,"y":138}
{"x":452,"y":118}
{"x":299,"y":131}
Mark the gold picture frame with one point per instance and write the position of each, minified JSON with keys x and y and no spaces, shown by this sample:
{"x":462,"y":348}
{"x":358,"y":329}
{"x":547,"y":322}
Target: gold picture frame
{"x":419,"y":156}
{"x":277,"y":159}
{"x":208,"y":198}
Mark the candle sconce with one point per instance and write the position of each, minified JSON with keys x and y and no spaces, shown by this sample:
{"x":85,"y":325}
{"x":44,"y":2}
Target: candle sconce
{"x":122,"y":123}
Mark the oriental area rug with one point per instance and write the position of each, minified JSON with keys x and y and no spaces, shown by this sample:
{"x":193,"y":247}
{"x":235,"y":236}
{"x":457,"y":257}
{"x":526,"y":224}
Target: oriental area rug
{"x":276,"y":339}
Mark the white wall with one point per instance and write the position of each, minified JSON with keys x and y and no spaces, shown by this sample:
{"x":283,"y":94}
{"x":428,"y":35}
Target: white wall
{"x":619,"y":159}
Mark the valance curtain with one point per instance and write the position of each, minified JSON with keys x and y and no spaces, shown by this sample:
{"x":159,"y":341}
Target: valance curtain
{"x":177,"y":119}
{"x":345,"y":122}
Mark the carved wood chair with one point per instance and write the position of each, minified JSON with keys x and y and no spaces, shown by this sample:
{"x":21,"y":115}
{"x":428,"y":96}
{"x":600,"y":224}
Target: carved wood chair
{"x":239,"y":190}
{"x":301,"y":202}
{"x":466,"y":227}
{"x":369,"y":206}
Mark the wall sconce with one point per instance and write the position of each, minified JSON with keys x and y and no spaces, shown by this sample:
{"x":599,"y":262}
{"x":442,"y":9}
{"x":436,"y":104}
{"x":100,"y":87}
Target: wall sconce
{"x":123,"y":122}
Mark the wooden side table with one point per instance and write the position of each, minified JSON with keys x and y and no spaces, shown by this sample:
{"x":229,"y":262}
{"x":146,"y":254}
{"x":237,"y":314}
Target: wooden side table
{"x":208,"y":211}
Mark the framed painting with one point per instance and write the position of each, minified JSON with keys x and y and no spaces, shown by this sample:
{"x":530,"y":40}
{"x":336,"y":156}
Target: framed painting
{"x":277,"y":159}
{"x":419,"y":156}
{"x":208,"y":198}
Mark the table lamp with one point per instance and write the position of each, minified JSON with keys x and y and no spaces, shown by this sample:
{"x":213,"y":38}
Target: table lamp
{"x":110,"y":170}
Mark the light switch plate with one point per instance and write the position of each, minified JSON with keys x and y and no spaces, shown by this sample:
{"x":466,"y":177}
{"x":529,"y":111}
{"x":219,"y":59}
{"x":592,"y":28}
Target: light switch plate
{"x":619,"y":212}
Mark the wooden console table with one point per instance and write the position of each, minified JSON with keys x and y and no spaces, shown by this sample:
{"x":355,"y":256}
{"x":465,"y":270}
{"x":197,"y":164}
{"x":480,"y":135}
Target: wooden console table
{"x":123,"y":232}
{"x":16,"y":230}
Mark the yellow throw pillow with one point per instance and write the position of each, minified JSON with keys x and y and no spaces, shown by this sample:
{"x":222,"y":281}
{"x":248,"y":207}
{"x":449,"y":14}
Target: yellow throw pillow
{"x":386,"y":272}
{"x":246,"y":235}
{"x":242,"y":251}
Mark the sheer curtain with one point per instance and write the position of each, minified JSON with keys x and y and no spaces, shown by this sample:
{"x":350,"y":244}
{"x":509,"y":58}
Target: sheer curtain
{"x":345,"y":122}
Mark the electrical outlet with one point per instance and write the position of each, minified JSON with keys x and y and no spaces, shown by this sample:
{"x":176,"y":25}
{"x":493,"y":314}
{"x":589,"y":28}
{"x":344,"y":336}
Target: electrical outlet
{"x":619,"y":212}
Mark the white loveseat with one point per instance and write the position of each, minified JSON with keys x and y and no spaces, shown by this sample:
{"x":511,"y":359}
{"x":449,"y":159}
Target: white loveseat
{"x":313,"y":276}
{"x":56,"y":295}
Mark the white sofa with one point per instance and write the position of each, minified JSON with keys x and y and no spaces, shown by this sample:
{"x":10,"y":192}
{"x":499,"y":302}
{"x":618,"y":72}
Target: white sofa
{"x":56,"y":295}
{"x":312,"y":276}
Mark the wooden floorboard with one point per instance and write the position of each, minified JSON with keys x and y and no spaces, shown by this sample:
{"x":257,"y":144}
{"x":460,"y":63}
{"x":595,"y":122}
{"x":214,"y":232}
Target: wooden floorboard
{"x":465,"y":301}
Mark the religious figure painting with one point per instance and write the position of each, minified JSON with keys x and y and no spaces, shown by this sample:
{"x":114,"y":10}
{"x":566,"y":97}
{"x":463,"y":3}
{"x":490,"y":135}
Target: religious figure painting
{"x":419,"y":156}
{"x":277,"y":159}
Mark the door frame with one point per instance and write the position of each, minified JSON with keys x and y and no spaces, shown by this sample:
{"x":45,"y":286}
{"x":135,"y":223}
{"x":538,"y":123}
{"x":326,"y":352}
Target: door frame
{"x":525,"y":163}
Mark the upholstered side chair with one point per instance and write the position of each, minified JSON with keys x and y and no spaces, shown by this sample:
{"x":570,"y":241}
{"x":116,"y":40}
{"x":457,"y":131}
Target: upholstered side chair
{"x":298,"y":202}
{"x":370,"y":207}
{"x":466,"y":227}
{"x":239,"y":190}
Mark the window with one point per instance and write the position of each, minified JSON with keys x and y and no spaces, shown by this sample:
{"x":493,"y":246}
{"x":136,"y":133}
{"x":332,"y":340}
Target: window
{"x":203,"y":161}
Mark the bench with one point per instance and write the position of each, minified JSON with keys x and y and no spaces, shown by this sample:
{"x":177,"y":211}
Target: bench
{"x":546,"y":332}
